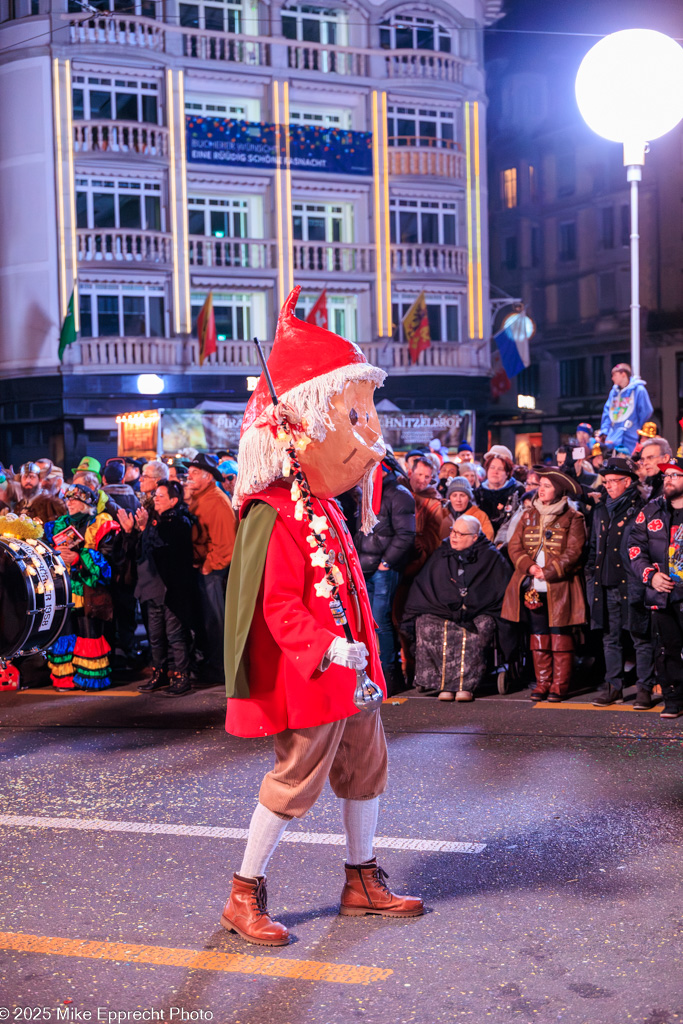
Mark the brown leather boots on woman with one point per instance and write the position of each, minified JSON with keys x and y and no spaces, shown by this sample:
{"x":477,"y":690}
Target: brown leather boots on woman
{"x":553,"y":663}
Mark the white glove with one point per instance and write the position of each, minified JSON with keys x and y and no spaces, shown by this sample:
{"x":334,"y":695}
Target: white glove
{"x":348,"y":655}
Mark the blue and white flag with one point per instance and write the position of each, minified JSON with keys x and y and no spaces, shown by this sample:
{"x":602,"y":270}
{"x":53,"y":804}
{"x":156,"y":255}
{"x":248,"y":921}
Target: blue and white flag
{"x":513,"y":343}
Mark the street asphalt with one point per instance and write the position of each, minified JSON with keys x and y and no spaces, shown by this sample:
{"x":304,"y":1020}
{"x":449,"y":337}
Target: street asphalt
{"x":567,"y":906}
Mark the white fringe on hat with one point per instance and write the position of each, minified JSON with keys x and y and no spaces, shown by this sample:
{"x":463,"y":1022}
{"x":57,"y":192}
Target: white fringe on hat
{"x":260,"y":455}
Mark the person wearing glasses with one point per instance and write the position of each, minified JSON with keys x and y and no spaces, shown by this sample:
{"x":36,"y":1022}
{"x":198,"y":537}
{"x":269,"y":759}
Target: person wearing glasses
{"x":656,"y":558}
{"x":453,"y":612}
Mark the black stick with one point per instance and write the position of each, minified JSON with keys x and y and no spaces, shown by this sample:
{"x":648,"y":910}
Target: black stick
{"x":266,"y":372}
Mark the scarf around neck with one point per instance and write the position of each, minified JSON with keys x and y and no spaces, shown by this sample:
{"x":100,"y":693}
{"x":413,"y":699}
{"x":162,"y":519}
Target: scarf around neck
{"x":550,"y":511}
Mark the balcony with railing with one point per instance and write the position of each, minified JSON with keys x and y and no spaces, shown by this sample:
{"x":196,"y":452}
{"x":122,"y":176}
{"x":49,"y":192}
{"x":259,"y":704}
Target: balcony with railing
{"x":175,"y":355}
{"x":210,"y":46}
{"x":233,"y":253}
{"x":428,"y":260}
{"x":126,"y":137}
{"x":424,"y":155}
{"x":124,"y":245}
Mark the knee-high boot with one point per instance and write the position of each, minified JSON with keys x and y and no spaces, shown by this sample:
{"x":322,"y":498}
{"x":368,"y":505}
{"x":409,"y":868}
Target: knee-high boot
{"x":543,"y":664}
{"x":563,"y":663}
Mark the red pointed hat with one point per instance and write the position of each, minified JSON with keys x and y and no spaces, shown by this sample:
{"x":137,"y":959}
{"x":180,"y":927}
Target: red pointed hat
{"x":308,"y":366}
{"x":300,"y":353}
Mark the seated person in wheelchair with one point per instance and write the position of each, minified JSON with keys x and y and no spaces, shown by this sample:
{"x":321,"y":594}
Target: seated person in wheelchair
{"x":453,"y":612}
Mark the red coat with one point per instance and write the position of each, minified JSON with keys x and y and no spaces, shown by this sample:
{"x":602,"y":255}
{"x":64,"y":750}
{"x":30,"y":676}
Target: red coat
{"x":292,"y":628}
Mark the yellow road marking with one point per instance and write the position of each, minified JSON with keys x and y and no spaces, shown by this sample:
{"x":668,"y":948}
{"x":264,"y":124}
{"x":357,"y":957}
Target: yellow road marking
{"x":231,"y":963}
{"x":578,"y":706}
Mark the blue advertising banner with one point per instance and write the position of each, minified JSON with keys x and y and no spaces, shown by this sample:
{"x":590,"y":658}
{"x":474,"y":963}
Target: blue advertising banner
{"x":216,"y":141}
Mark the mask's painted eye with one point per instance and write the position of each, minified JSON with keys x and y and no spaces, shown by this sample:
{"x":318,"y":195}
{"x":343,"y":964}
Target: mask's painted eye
{"x":353,"y":416}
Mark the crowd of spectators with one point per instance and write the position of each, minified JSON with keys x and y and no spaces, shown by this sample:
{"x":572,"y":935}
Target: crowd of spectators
{"x":476,"y":565}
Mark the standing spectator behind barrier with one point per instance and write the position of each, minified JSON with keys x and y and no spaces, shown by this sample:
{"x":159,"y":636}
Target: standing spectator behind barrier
{"x":134,"y":469}
{"x":500,"y":493}
{"x":121,"y":630}
{"x":546,"y":550}
{"x":460,"y":502}
{"x":152,"y":473}
{"x":607,"y":579}
{"x":628,"y":406}
{"x":114,"y":487}
{"x":429,"y":512}
{"x":32,"y":499}
{"x":656,"y":555}
{"x":383,"y":556}
{"x":653,"y":452}
{"x":214,"y":540}
{"x":449,"y":471}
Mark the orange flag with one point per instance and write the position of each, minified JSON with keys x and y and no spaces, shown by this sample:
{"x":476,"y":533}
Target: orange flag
{"x":416,"y":328}
{"x":318,"y":314}
{"x":206,"y":330}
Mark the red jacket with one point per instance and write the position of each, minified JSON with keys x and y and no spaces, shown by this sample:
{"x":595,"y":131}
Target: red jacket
{"x":292,"y":629}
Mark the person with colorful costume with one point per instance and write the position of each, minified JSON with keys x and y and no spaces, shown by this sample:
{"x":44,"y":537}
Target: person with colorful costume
{"x":80,"y":658}
{"x":299,"y":628}
{"x":627,"y":408}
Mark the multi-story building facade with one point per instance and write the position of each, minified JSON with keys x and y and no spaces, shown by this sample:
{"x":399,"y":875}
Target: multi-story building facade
{"x":154,"y":151}
{"x":560,"y":231}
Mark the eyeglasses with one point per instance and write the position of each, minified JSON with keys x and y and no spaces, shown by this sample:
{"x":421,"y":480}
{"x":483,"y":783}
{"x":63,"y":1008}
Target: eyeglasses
{"x":673,"y":476}
{"x":461,"y":533}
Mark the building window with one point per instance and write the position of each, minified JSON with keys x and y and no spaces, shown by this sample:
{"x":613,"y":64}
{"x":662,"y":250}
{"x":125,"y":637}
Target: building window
{"x":115,"y":99}
{"x":572,"y":384}
{"x":568,"y":302}
{"x":607,"y":292}
{"x":535,"y":246}
{"x":443,"y":315}
{"x":145,"y":8}
{"x":510,"y":250}
{"x":233,"y":314}
{"x":216,"y":15}
{"x":122,"y":311}
{"x":322,"y":222}
{"x":308,"y":24}
{"x":322,"y":117}
{"x":407,"y":32}
{"x":341,"y":312}
{"x":423,"y":222}
{"x":625,"y":218}
{"x":219,"y":218}
{"x":565,"y":163}
{"x":566,"y":248}
{"x":598,"y":374}
{"x":529,"y":381}
{"x":508,"y":187}
{"x":607,"y":227}
{"x":229,"y":107}
{"x":119,"y":204}
{"x":414,"y":126}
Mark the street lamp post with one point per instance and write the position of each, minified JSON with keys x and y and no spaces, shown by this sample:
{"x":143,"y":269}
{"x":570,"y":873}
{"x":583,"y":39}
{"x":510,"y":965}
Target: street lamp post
{"x":629,"y":89}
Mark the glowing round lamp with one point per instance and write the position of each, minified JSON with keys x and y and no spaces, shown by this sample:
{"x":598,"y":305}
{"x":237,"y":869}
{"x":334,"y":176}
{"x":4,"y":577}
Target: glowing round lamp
{"x":629,"y":86}
{"x":150,"y":384}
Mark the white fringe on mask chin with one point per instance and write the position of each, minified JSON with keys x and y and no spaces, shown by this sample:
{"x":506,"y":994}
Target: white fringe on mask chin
{"x":260,"y":456}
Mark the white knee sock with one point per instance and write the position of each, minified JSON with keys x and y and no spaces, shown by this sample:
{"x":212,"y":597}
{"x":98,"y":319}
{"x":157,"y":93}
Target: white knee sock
{"x":265,"y":832}
{"x":360,"y":821}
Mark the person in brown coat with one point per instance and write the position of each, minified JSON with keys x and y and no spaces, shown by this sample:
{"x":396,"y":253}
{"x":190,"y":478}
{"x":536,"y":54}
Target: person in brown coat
{"x":546,"y":551}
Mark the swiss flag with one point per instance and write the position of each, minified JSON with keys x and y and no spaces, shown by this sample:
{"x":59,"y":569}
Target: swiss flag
{"x":318,"y":314}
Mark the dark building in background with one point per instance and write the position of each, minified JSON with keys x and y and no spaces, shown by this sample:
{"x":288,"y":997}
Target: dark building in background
{"x":559,"y":221}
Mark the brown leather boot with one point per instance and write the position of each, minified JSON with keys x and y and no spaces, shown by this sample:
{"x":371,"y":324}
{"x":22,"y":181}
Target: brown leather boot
{"x":543,"y":664}
{"x":246,"y":913}
{"x":366,"y":892}
{"x":563,"y":663}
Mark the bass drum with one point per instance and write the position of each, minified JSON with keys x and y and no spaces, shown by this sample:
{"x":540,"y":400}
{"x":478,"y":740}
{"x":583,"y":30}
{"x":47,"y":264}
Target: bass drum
{"x":35,"y":596}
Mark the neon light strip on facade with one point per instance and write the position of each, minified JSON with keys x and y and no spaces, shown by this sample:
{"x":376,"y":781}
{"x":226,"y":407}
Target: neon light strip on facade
{"x":184,"y":203}
{"x":470,"y":255}
{"x":288,"y":185}
{"x":278,"y":196}
{"x":60,"y":187}
{"x":378,"y":232}
{"x":72,"y":195}
{"x":477,"y":187}
{"x":387,"y":232}
{"x":174,"y":200}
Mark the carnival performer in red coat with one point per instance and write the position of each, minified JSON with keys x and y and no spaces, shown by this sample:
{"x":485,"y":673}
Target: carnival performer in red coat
{"x":299,"y":629}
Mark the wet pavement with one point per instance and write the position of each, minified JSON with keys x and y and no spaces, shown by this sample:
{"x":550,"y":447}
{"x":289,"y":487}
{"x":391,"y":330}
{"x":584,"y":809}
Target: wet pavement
{"x":571,"y":910}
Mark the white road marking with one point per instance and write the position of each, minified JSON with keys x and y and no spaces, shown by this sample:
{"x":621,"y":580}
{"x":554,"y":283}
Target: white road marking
{"x":319,"y":838}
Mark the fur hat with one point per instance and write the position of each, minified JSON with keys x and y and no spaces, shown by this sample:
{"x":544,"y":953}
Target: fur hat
{"x":499,"y":451}
{"x":308,"y":366}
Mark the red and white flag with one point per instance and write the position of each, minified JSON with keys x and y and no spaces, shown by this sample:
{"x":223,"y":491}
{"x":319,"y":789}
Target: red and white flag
{"x":318,"y":314}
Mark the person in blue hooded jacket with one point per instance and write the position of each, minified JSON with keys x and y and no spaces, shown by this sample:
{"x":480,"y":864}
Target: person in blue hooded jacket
{"x":628,"y":406}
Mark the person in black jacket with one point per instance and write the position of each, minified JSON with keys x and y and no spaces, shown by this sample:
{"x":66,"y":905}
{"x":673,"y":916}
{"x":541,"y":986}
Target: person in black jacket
{"x":607,"y":584}
{"x":453,"y":612}
{"x":167,"y":583}
{"x":383,"y":555}
{"x":656,"y":556}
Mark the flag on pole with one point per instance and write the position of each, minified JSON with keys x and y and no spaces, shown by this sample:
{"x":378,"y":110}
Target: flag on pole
{"x":416,"y":328}
{"x":67,"y":334}
{"x":318,"y":314}
{"x":513,"y":343}
{"x":206,"y":330}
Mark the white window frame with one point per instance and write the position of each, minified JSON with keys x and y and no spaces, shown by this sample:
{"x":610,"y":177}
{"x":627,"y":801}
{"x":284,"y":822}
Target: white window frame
{"x":124,"y":291}
{"x":248,"y":207}
{"x":325,"y":117}
{"x":136,"y":7}
{"x":439,"y":115}
{"x":325,"y":15}
{"x":439,"y":206}
{"x":442,"y":301}
{"x":121,"y":187}
{"x":232,"y":108}
{"x":252,"y":305}
{"x":115,"y":84}
{"x":414,"y":23}
{"x":244,"y":22}
{"x":330,"y":212}
{"x":342,"y":312}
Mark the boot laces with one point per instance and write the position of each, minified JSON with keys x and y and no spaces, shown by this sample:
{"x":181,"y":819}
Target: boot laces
{"x":260,"y":897}
{"x":380,"y":875}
